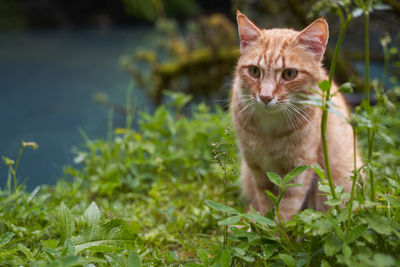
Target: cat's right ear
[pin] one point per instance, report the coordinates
(248, 31)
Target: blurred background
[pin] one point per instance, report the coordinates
(69, 68)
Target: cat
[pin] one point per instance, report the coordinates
(275, 131)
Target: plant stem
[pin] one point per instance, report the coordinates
(353, 185)
(327, 95)
(367, 102)
(16, 166)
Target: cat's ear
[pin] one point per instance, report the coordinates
(315, 38)
(248, 31)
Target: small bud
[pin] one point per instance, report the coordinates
(32, 145)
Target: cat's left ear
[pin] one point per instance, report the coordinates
(315, 38)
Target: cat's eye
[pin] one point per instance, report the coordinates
(289, 74)
(254, 71)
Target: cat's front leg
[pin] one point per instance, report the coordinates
(295, 197)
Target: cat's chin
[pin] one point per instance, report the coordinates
(269, 108)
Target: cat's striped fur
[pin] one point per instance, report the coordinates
(275, 131)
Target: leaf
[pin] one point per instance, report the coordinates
(258, 219)
(319, 171)
(230, 220)
(270, 195)
(104, 245)
(203, 255)
(383, 260)
(380, 224)
(66, 222)
(394, 202)
(221, 207)
(91, 217)
(333, 245)
(325, 85)
(356, 233)
(332, 202)
(294, 173)
(26, 251)
(336, 227)
(134, 260)
(288, 260)
(5, 238)
(275, 178)
(225, 258)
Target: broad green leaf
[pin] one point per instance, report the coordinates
(356, 233)
(115, 260)
(287, 259)
(383, 260)
(230, 220)
(380, 224)
(134, 260)
(319, 171)
(69, 248)
(335, 225)
(332, 202)
(225, 258)
(271, 196)
(5, 238)
(203, 255)
(325, 85)
(50, 243)
(275, 178)
(333, 245)
(258, 218)
(91, 217)
(294, 173)
(26, 251)
(66, 222)
(68, 261)
(105, 245)
(221, 207)
(394, 202)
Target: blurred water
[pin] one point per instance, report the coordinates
(47, 82)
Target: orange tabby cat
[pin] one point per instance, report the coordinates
(275, 131)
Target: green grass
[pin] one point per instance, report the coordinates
(155, 196)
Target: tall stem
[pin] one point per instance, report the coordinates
(16, 166)
(367, 102)
(353, 185)
(327, 95)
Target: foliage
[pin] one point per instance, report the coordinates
(195, 61)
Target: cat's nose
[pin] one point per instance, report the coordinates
(266, 98)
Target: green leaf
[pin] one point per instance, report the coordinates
(356, 233)
(50, 243)
(333, 245)
(203, 255)
(292, 185)
(336, 227)
(221, 207)
(294, 173)
(383, 260)
(394, 202)
(275, 178)
(270, 195)
(91, 217)
(319, 171)
(288, 260)
(26, 251)
(332, 202)
(230, 220)
(380, 224)
(225, 258)
(134, 260)
(66, 222)
(5, 238)
(258, 219)
(325, 85)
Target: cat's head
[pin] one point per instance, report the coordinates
(277, 66)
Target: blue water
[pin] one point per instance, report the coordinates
(47, 82)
